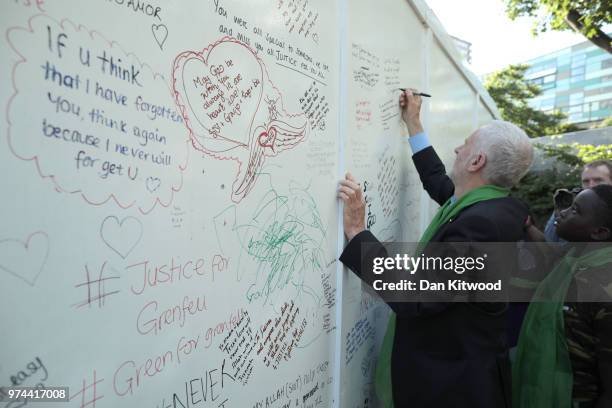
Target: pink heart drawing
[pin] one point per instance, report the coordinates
(202, 80)
(25, 260)
(121, 236)
(232, 109)
(267, 139)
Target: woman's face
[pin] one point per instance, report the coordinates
(584, 221)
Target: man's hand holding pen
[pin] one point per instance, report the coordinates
(410, 105)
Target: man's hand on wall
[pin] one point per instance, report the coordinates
(349, 191)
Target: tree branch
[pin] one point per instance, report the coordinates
(600, 39)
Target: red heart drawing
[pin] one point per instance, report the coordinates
(232, 109)
(25, 260)
(220, 89)
(267, 139)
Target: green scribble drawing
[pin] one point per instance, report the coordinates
(286, 238)
(281, 250)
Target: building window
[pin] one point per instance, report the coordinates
(541, 70)
(577, 74)
(576, 98)
(547, 104)
(536, 81)
(545, 82)
(577, 68)
(576, 108)
(547, 86)
(578, 59)
(542, 66)
(576, 104)
(575, 117)
(577, 78)
(607, 104)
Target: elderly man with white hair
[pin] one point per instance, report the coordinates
(448, 354)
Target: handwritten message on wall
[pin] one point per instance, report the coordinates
(107, 126)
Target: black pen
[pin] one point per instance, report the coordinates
(418, 93)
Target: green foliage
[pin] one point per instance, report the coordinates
(553, 14)
(605, 123)
(589, 153)
(537, 188)
(511, 92)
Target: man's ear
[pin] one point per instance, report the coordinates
(477, 162)
(601, 234)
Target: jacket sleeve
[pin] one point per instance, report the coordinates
(433, 175)
(360, 252)
(359, 256)
(365, 242)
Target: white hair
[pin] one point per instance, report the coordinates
(508, 150)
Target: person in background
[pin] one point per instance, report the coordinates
(448, 354)
(593, 174)
(564, 356)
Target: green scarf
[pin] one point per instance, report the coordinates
(448, 211)
(542, 373)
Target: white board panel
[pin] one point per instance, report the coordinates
(384, 47)
(169, 231)
(163, 226)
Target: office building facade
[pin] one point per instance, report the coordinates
(577, 81)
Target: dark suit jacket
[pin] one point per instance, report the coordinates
(450, 354)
